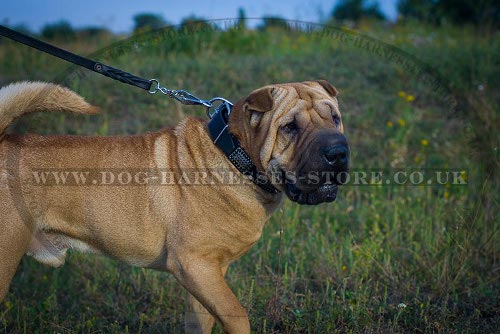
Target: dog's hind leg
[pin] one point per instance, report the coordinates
(15, 238)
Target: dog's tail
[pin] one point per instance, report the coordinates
(26, 97)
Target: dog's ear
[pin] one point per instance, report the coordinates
(328, 87)
(257, 103)
(260, 100)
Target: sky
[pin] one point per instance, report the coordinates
(117, 15)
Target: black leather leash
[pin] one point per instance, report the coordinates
(92, 65)
(219, 117)
(151, 85)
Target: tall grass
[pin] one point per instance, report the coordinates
(380, 259)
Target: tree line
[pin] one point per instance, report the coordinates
(479, 13)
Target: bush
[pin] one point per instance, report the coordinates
(354, 10)
(479, 13)
(148, 21)
(61, 30)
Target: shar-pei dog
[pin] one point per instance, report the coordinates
(188, 200)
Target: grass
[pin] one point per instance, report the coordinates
(380, 259)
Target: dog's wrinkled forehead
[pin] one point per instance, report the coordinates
(307, 91)
(318, 96)
(267, 97)
(310, 90)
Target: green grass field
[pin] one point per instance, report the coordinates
(398, 259)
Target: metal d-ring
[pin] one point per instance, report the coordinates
(210, 113)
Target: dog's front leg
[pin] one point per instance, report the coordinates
(197, 319)
(204, 280)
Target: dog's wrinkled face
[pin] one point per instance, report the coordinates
(294, 133)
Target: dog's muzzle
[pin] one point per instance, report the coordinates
(321, 170)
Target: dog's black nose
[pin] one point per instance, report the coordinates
(336, 155)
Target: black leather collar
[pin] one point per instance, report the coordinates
(219, 132)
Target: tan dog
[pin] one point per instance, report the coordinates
(194, 231)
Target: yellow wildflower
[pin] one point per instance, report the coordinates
(424, 142)
(446, 194)
(401, 122)
(344, 268)
(410, 98)
(401, 94)
(389, 124)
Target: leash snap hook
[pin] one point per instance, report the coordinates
(180, 95)
(187, 98)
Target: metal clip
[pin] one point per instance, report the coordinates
(187, 98)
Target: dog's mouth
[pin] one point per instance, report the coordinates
(322, 194)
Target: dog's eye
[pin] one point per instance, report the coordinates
(336, 120)
(291, 127)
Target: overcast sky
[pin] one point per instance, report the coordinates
(117, 15)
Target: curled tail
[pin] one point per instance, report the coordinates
(26, 97)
